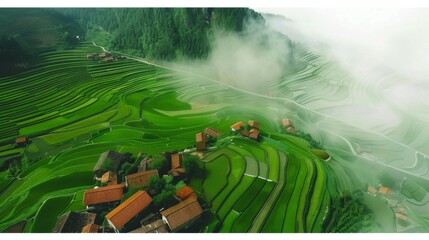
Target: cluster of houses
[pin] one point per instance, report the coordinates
(104, 56)
(398, 209)
(108, 196)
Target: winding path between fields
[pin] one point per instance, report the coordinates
(139, 59)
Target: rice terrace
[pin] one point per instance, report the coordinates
(99, 134)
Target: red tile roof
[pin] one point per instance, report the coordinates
(103, 194)
(175, 160)
(254, 124)
(287, 123)
(212, 132)
(90, 228)
(182, 213)
(372, 190)
(185, 193)
(237, 126)
(21, 140)
(200, 137)
(122, 214)
(140, 179)
(384, 190)
(254, 133)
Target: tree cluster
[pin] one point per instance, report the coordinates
(163, 33)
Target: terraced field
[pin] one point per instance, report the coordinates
(73, 109)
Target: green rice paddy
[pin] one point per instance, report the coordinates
(73, 109)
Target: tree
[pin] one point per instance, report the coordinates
(159, 163)
(192, 165)
(166, 198)
(156, 183)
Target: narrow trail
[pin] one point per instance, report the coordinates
(270, 97)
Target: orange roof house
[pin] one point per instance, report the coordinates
(200, 140)
(182, 214)
(291, 130)
(237, 126)
(157, 226)
(122, 214)
(254, 133)
(254, 124)
(91, 228)
(245, 133)
(21, 141)
(99, 195)
(372, 190)
(185, 193)
(102, 55)
(212, 132)
(176, 165)
(287, 123)
(110, 177)
(384, 190)
(109, 59)
(401, 217)
(140, 179)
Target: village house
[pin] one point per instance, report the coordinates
(185, 193)
(237, 126)
(372, 190)
(158, 226)
(201, 141)
(384, 190)
(108, 161)
(104, 54)
(401, 218)
(73, 222)
(212, 132)
(103, 195)
(109, 178)
(143, 164)
(127, 210)
(176, 165)
(287, 123)
(140, 179)
(91, 228)
(182, 214)
(109, 59)
(254, 124)
(254, 133)
(291, 130)
(245, 133)
(21, 141)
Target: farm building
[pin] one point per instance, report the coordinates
(212, 132)
(384, 190)
(401, 217)
(237, 126)
(73, 222)
(201, 141)
(254, 134)
(254, 124)
(291, 130)
(143, 164)
(101, 195)
(21, 141)
(157, 226)
(127, 210)
(104, 54)
(109, 59)
(140, 179)
(176, 165)
(245, 133)
(287, 123)
(185, 193)
(110, 177)
(91, 228)
(182, 214)
(108, 161)
(372, 190)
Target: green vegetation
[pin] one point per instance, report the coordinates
(349, 214)
(163, 33)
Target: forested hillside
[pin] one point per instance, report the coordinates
(160, 33)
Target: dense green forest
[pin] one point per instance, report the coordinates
(160, 33)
